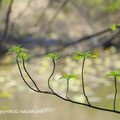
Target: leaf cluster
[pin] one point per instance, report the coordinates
(52, 56)
(114, 27)
(19, 52)
(16, 49)
(84, 55)
(68, 76)
(23, 56)
(115, 73)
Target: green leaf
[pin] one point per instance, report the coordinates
(10, 51)
(26, 57)
(118, 77)
(55, 57)
(108, 75)
(78, 57)
(51, 54)
(66, 76)
(73, 77)
(118, 70)
(22, 54)
(91, 55)
(113, 27)
(79, 53)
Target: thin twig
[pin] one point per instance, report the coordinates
(83, 82)
(51, 75)
(67, 88)
(64, 3)
(115, 93)
(30, 76)
(23, 77)
(20, 14)
(49, 23)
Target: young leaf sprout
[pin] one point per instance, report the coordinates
(115, 74)
(16, 49)
(53, 56)
(113, 27)
(84, 56)
(19, 52)
(22, 56)
(68, 77)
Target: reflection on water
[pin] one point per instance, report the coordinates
(14, 94)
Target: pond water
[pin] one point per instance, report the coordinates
(15, 95)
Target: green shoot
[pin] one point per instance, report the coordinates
(114, 27)
(22, 56)
(115, 73)
(19, 52)
(84, 55)
(68, 76)
(53, 56)
(16, 49)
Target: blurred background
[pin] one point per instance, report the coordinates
(65, 27)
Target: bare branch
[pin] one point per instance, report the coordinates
(67, 89)
(23, 76)
(47, 25)
(30, 76)
(114, 104)
(83, 87)
(1, 3)
(51, 76)
(7, 21)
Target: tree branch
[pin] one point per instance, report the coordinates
(1, 3)
(7, 21)
(47, 25)
(68, 100)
